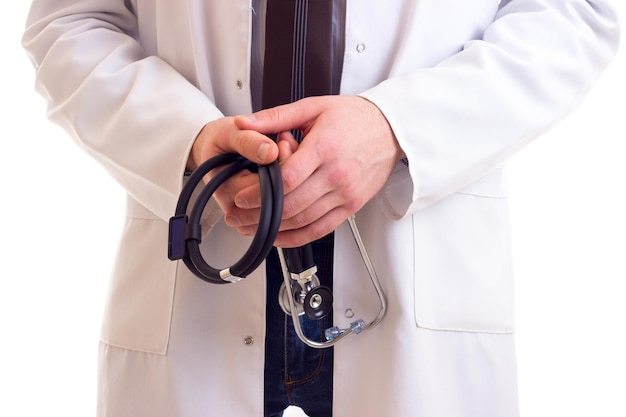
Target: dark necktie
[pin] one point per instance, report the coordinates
(298, 50)
(297, 64)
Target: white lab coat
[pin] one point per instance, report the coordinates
(464, 84)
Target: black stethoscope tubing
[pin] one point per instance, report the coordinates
(186, 232)
(185, 236)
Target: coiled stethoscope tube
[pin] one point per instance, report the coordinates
(185, 232)
(301, 293)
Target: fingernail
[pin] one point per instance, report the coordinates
(263, 151)
(245, 230)
(249, 117)
(232, 221)
(241, 203)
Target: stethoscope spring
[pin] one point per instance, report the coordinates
(301, 293)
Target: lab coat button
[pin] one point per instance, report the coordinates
(349, 313)
(248, 341)
(239, 84)
(360, 48)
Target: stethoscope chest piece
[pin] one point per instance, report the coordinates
(302, 294)
(311, 299)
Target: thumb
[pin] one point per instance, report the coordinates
(254, 146)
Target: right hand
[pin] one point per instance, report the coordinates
(222, 136)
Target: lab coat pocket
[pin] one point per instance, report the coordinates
(463, 273)
(140, 300)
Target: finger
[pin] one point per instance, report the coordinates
(237, 217)
(227, 191)
(317, 230)
(287, 117)
(301, 207)
(294, 171)
(287, 145)
(314, 189)
(246, 222)
(312, 224)
(311, 212)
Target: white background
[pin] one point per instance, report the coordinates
(61, 217)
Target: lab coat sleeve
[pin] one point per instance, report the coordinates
(462, 118)
(107, 93)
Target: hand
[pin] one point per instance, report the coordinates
(223, 136)
(345, 158)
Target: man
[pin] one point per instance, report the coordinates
(435, 96)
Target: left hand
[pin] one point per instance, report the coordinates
(345, 158)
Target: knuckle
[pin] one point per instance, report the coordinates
(354, 205)
(290, 180)
(318, 230)
(300, 221)
(272, 114)
(338, 177)
(222, 195)
(356, 200)
(290, 208)
(245, 139)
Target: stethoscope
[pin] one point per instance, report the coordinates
(301, 293)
